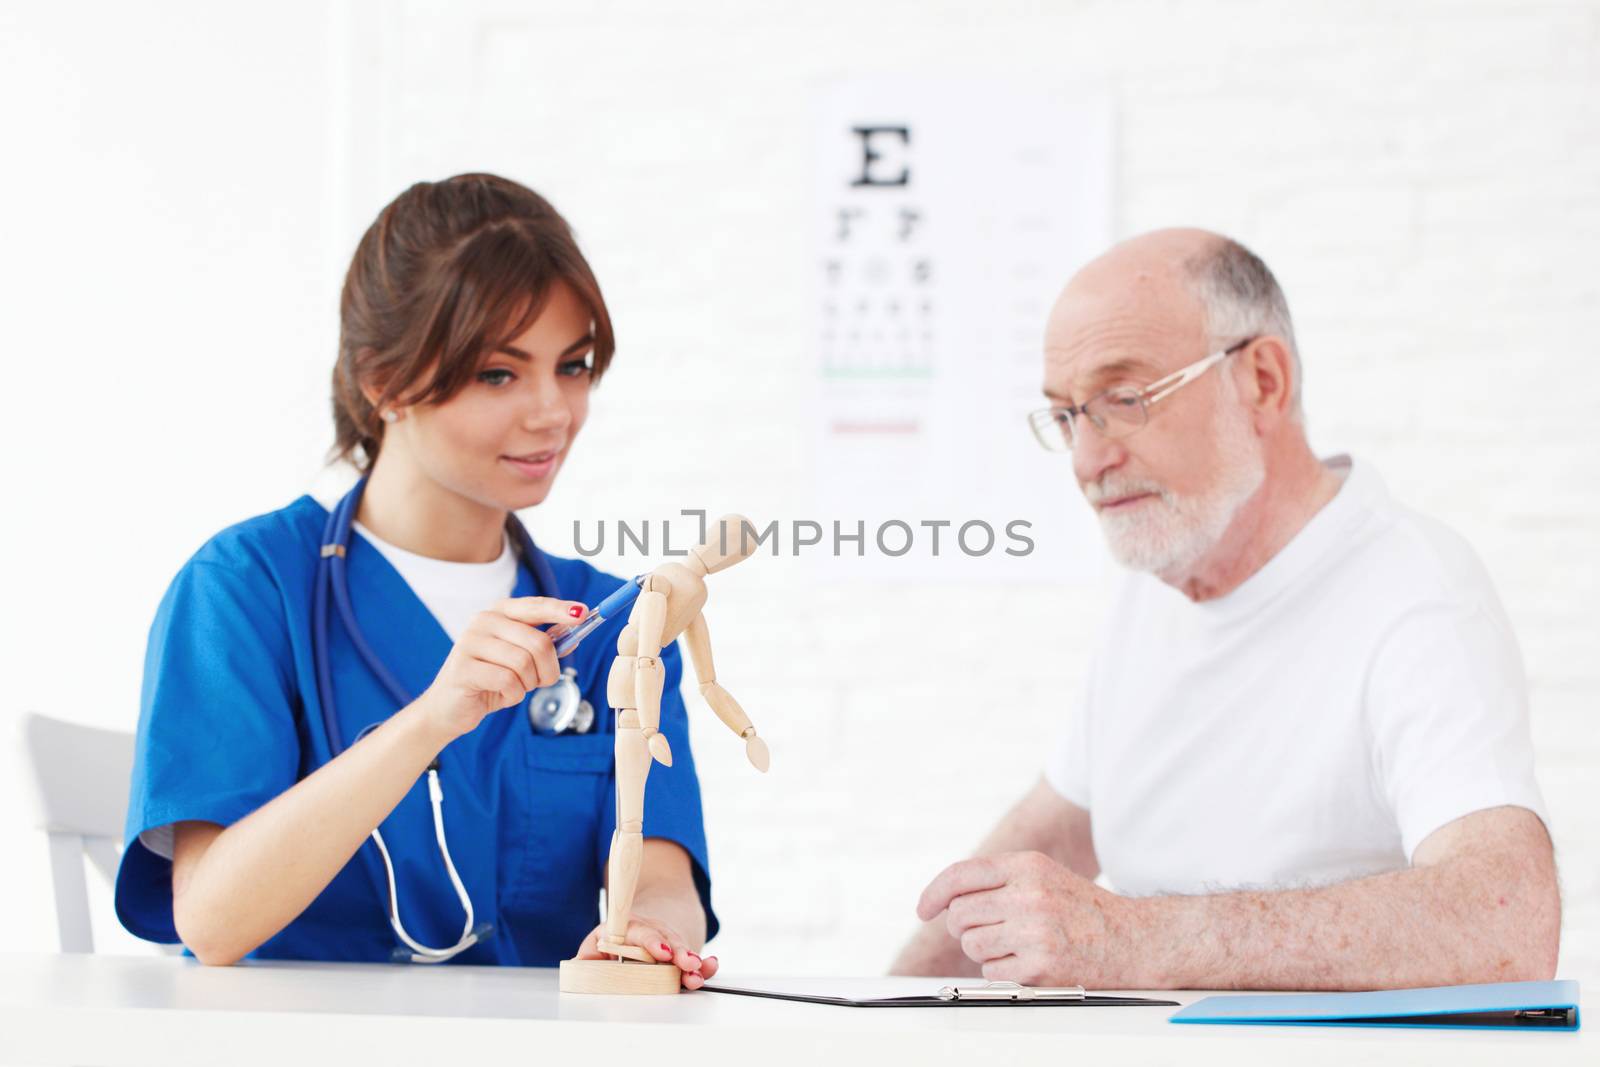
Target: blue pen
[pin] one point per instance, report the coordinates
(609, 608)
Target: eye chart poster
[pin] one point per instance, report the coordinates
(949, 215)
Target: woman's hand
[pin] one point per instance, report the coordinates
(663, 943)
(498, 660)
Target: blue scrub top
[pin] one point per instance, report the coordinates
(229, 719)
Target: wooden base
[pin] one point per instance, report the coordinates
(619, 976)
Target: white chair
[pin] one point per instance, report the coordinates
(80, 776)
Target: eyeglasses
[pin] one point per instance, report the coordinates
(1118, 412)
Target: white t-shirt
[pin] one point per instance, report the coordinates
(452, 592)
(1314, 725)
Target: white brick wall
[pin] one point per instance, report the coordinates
(1422, 177)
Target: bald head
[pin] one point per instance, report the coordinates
(1154, 258)
(1188, 288)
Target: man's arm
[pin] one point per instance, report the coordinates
(1479, 904)
(1043, 822)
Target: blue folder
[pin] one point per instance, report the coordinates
(1499, 1006)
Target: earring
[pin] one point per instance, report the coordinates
(391, 416)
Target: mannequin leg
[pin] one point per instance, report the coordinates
(627, 848)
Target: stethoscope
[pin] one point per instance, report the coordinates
(552, 709)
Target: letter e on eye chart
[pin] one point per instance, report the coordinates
(948, 215)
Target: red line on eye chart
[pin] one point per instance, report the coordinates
(904, 427)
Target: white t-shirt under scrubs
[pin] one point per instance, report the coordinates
(1314, 725)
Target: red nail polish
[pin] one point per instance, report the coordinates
(697, 959)
(665, 947)
(575, 611)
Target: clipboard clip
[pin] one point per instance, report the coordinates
(1010, 991)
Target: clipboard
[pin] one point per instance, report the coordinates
(1496, 1006)
(926, 993)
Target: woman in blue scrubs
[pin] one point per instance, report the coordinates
(471, 331)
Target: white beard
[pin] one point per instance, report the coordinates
(1168, 534)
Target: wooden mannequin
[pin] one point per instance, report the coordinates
(669, 604)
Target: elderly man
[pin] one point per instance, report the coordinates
(1302, 757)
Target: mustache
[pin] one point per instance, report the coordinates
(1115, 487)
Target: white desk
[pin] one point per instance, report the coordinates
(137, 1010)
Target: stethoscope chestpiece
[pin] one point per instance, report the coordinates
(559, 707)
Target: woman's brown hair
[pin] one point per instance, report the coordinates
(448, 272)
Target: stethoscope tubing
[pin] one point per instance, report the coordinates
(332, 582)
